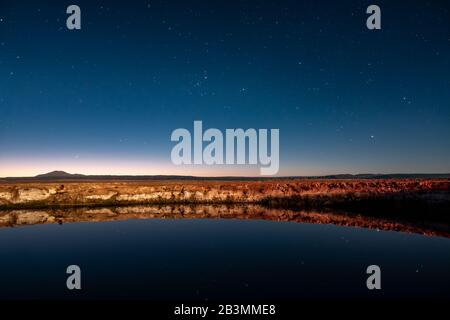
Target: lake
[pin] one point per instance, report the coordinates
(136, 254)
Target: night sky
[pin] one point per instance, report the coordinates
(105, 99)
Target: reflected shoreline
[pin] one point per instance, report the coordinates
(23, 217)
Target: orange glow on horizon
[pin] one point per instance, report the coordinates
(21, 168)
(27, 169)
(30, 167)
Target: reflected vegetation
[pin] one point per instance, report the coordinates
(14, 218)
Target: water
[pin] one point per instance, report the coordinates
(185, 259)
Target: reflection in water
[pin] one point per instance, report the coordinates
(216, 252)
(31, 217)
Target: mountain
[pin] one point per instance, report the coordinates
(58, 175)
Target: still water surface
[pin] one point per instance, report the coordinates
(229, 259)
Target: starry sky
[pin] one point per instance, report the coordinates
(105, 99)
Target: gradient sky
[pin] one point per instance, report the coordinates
(105, 99)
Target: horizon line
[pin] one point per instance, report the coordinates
(80, 175)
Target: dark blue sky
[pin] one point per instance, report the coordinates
(106, 98)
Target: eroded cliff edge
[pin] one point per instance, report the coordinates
(274, 192)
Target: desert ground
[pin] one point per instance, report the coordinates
(48, 193)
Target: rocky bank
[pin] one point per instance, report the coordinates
(114, 193)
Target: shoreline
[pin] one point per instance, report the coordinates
(415, 199)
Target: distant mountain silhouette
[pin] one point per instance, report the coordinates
(58, 174)
(62, 175)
